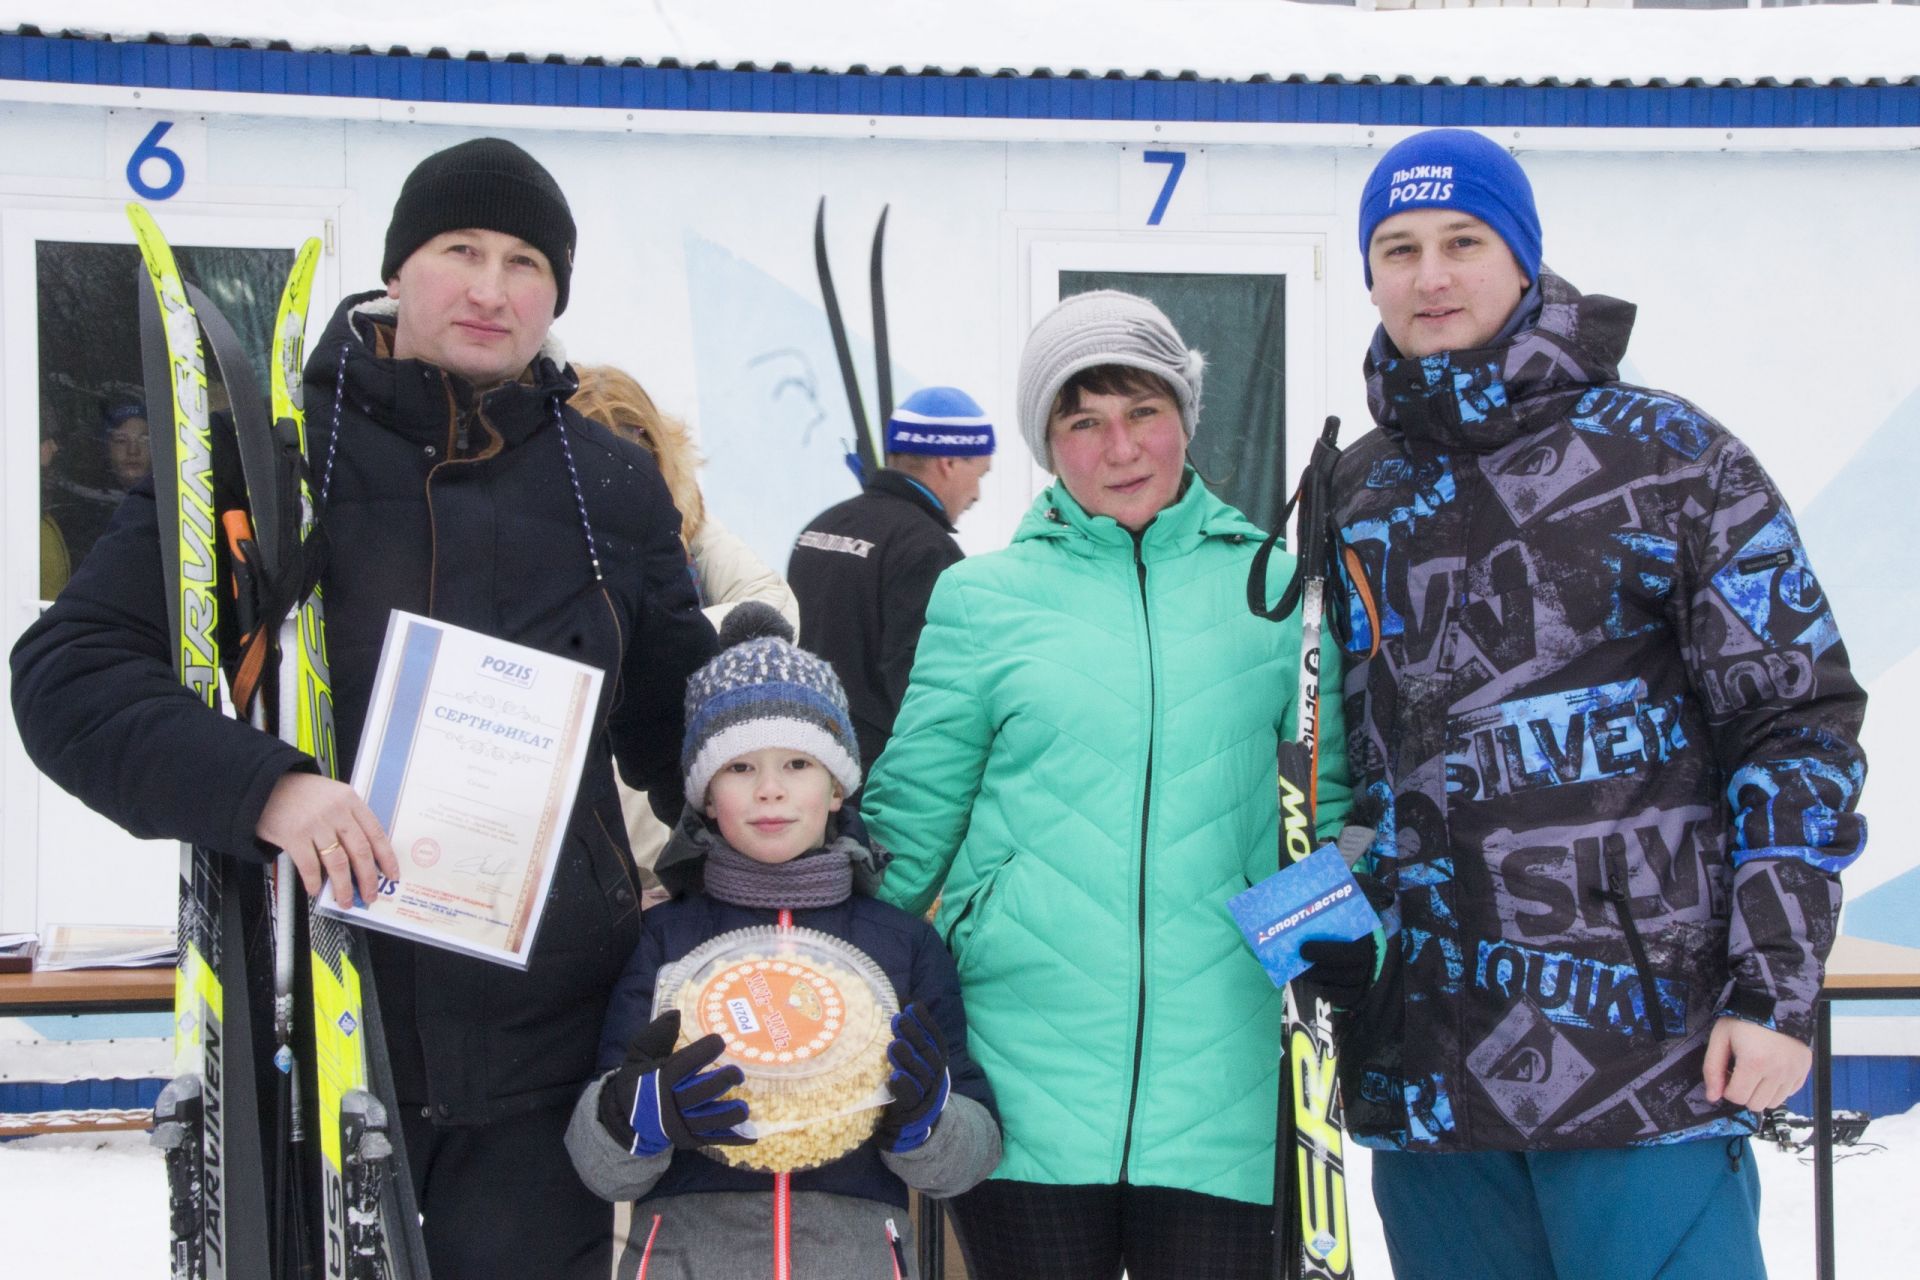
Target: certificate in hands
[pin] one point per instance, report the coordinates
(470, 758)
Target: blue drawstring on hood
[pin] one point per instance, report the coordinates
(555, 405)
(579, 497)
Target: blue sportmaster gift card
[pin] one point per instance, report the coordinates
(1316, 897)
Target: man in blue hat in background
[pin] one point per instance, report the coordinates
(864, 569)
(1608, 749)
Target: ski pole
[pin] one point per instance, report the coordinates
(1311, 1236)
(866, 458)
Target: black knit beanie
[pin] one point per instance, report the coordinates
(490, 185)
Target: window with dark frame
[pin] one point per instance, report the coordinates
(94, 417)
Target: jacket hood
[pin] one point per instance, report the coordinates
(1481, 400)
(1196, 513)
(378, 307)
(406, 392)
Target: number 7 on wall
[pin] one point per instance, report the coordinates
(1176, 162)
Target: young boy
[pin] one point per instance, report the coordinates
(769, 755)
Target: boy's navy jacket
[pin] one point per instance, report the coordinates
(907, 949)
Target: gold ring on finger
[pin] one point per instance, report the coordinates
(329, 849)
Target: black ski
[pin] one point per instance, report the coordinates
(931, 1219)
(207, 1118)
(866, 458)
(371, 1223)
(876, 285)
(362, 1200)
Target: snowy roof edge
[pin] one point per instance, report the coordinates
(1492, 76)
(1817, 45)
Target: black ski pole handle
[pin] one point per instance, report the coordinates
(1312, 551)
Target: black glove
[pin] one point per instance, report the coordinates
(1342, 971)
(918, 1083)
(659, 1098)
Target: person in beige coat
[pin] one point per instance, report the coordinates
(725, 570)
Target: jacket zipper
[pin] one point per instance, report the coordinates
(1619, 892)
(646, 1254)
(630, 871)
(899, 1254)
(456, 442)
(1146, 810)
(783, 1186)
(460, 433)
(460, 426)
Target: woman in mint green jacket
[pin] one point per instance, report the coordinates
(1083, 772)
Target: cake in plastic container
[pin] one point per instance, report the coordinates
(807, 1018)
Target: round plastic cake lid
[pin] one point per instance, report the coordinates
(792, 1005)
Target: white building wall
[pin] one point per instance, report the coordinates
(1775, 290)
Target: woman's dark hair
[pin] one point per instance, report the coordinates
(1108, 380)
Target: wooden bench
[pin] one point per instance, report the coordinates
(68, 991)
(86, 991)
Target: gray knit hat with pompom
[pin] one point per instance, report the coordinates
(1092, 329)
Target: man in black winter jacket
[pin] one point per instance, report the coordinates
(1602, 727)
(864, 570)
(454, 482)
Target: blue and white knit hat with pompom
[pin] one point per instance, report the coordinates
(765, 691)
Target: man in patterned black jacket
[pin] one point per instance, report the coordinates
(1608, 749)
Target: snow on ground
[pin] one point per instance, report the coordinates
(83, 1207)
(79, 1207)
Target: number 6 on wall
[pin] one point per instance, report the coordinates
(150, 149)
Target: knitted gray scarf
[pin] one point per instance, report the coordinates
(820, 878)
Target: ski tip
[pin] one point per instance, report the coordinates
(299, 283)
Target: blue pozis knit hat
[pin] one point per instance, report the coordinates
(765, 691)
(943, 421)
(1454, 169)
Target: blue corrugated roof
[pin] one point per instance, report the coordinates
(401, 76)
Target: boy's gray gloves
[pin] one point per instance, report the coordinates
(659, 1098)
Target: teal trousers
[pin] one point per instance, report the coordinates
(1680, 1212)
